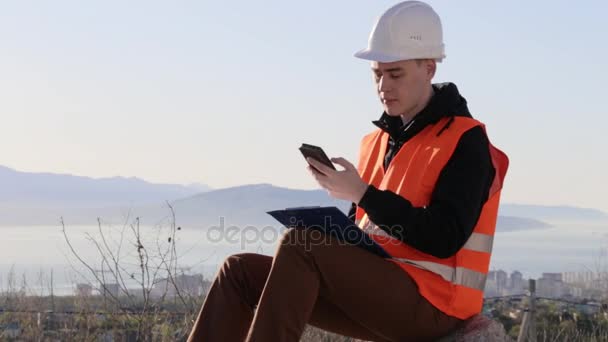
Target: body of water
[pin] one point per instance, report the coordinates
(30, 253)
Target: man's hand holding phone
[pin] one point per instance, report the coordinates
(341, 184)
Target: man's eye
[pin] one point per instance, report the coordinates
(395, 76)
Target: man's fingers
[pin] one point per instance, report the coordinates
(323, 183)
(344, 163)
(316, 174)
(322, 179)
(319, 166)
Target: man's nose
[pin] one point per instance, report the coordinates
(384, 84)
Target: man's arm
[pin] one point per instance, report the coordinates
(443, 227)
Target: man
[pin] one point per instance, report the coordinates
(427, 189)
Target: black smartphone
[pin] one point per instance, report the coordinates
(317, 153)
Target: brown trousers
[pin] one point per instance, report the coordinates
(317, 280)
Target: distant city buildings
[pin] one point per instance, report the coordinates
(579, 277)
(517, 282)
(551, 285)
(499, 283)
(110, 290)
(84, 290)
(181, 285)
(589, 285)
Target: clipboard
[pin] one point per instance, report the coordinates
(329, 220)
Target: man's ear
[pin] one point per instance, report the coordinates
(431, 68)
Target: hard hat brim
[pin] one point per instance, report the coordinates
(376, 56)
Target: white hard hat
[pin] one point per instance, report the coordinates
(408, 30)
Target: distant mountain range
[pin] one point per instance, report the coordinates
(41, 198)
(26, 189)
(247, 204)
(552, 213)
(512, 223)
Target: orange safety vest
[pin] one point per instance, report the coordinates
(453, 285)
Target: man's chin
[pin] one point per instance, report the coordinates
(392, 111)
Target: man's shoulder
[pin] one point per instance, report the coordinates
(374, 134)
(467, 122)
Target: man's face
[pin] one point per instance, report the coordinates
(402, 85)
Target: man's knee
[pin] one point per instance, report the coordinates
(234, 263)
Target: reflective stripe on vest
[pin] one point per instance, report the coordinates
(457, 275)
(480, 243)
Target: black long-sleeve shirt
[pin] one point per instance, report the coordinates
(442, 227)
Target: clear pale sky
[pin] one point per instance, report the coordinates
(224, 92)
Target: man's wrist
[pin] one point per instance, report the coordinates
(361, 193)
